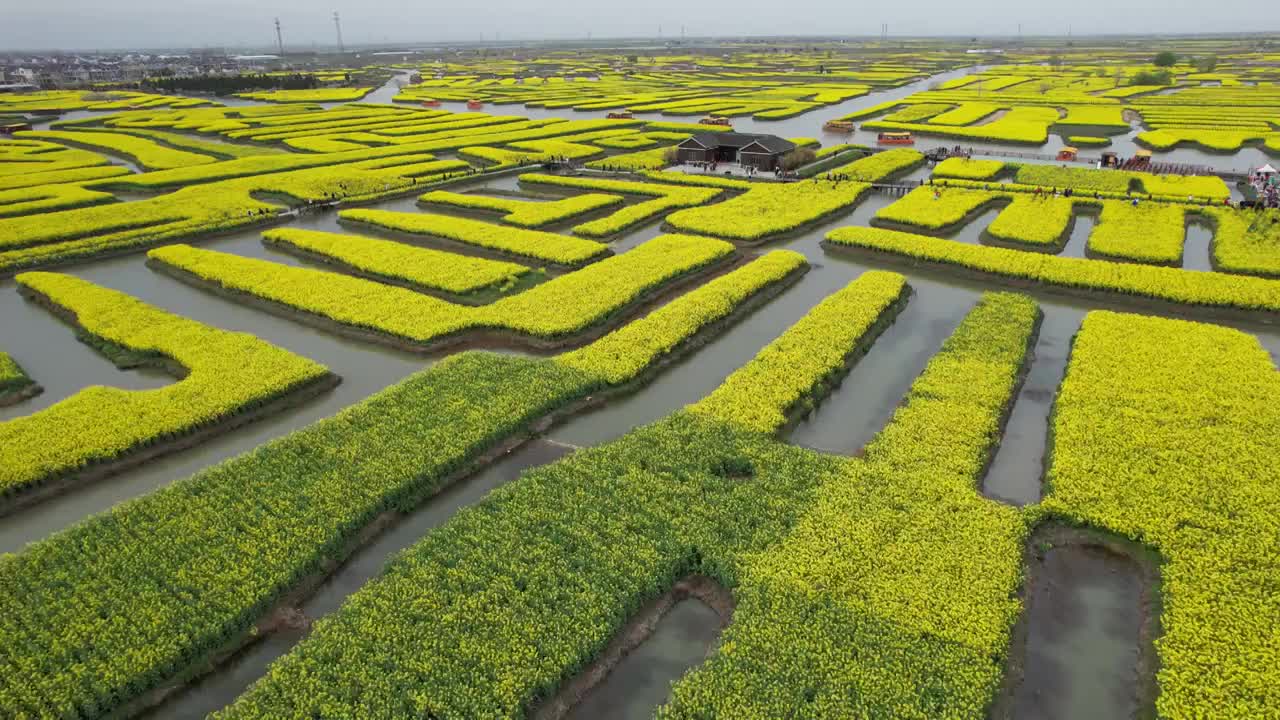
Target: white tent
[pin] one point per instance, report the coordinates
(1266, 170)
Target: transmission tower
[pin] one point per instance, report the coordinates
(337, 24)
(279, 38)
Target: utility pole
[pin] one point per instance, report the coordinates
(279, 38)
(884, 32)
(681, 33)
(1019, 32)
(337, 24)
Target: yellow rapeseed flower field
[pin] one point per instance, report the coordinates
(227, 373)
(1165, 432)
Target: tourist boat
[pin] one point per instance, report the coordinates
(474, 104)
(1068, 153)
(714, 120)
(430, 103)
(895, 138)
(843, 126)
(1141, 161)
(620, 115)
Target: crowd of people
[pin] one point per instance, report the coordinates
(1267, 187)
(711, 166)
(1041, 192)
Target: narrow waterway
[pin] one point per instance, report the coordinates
(1082, 224)
(974, 231)
(1016, 472)
(50, 353)
(810, 125)
(642, 681)
(1197, 247)
(844, 423)
(219, 688)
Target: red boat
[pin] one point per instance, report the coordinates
(895, 138)
(430, 103)
(474, 104)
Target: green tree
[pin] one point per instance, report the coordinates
(1165, 59)
(1206, 64)
(798, 158)
(1159, 77)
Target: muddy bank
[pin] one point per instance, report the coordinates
(287, 615)
(824, 386)
(1105, 296)
(573, 697)
(480, 296)
(563, 225)
(56, 485)
(780, 235)
(196, 235)
(1084, 645)
(229, 679)
(1010, 402)
(1024, 442)
(134, 248)
(478, 337)
(95, 470)
(439, 242)
(16, 394)
(995, 204)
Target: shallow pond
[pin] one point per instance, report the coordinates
(642, 680)
(1083, 640)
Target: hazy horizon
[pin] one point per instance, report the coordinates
(131, 24)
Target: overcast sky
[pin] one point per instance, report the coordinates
(78, 24)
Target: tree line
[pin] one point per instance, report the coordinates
(229, 84)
